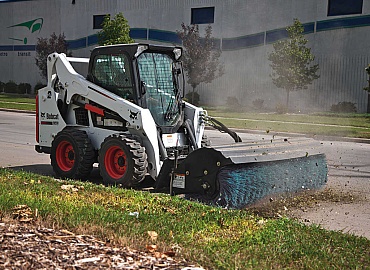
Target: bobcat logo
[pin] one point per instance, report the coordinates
(133, 115)
(42, 115)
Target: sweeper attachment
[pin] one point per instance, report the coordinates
(240, 174)
(128, 115)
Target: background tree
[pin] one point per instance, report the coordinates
(291, 61)
(115, 31)
(367, 69)
(201, 58)
(45, 46)
(367, 88)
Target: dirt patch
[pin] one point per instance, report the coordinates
(332, 209)
(287, 205)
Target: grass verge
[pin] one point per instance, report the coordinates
(17, 102)
(329, 124)
(213, 237)
(347, 125)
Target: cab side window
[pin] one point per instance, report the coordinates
(112, 72)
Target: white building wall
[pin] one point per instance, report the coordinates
(19, 65)
(342, 53)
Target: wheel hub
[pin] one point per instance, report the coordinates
(71, 155)
(121, 161)
(115, 162)
(65, 156)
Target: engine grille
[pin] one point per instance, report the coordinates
(81, 117)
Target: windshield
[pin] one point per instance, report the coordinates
(156, 73)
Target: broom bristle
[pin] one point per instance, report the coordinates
(245, 184)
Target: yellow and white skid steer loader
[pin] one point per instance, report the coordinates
(129, 116)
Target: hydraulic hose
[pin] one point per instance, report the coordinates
(162, 149)
(189, 126)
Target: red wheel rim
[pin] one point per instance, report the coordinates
(115, 162)
(65, 156)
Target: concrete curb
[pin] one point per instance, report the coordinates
(252, 131)
(18, 111)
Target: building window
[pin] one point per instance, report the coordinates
(344, 7)
(98, 21)
(203, 15)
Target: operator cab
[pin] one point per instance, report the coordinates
(147, 75)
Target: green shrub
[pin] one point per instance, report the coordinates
(188, 98)
(11, 87)
(281, 109)
(367, 88)
(232, 102)
(344, 107)
(258, 103)
(24, 88)
(38, 86)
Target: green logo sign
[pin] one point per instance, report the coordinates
(33, 26)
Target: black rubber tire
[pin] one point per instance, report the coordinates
(122, 161)
(72, 154)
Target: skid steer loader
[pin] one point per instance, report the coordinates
(128, 115)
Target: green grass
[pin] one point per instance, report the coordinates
(361, 120)
(17, 102)
(330, 124)
(213, 237)
(348, 125)
(17, 98)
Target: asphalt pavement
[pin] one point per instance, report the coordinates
(347, 158)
